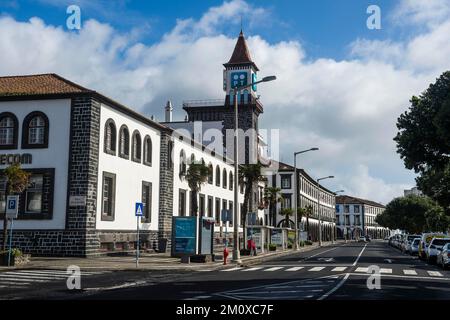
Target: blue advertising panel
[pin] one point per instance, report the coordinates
(184, 235)
(238, 79)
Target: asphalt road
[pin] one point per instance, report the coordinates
(333, 272)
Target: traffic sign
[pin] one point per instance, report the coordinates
(12, 207)
(139, 212)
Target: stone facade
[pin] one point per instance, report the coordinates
(166, 189)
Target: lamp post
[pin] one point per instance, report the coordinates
(318, 207)
(335, 226)
(236, 256)
(295, 193)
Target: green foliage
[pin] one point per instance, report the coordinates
(17, 180)
(436, 219)
(414, 214)
(196, 175)
(423, 140)
(15, 252)
(272, 247)
(286, 213)
(248, 175)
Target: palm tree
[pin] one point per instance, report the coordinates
(301, 212)
(271, 198)
(286, 213)
(17, 181)
(308, 213)
(196, 175)
(248, 175)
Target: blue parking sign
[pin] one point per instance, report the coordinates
(139, 212)
(12, 207)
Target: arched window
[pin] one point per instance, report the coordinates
(224, 178)
(35, 131)
(110, 137)
(245, 96)
(124, 142)
(230, 186)
(148, 150)
(182, 163)
(8, 130)
(136, 147)
(211, 173)
(218, 176)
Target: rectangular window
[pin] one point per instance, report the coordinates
(210, 206)
(286, 202)
(147, 201)
(108, 196)
(357, 220)
(202, 205)
(346, 208)
(337, 208)
(230, 208)
(285, 181)
(217, 210)
(356, 209)
(347, 220)
(182, 203)
(33, 194)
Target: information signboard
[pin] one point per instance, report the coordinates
(184, 236)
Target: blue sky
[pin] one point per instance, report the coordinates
(324, 27)
(340, 86)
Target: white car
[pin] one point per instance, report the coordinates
(435, 248)
(414, 248)
(443, 258)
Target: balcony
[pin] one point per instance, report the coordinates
(203, 103)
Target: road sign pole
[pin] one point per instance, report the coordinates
(137, 247)
(10, 241)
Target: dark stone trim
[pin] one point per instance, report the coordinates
(105, 147)
(105, 217)
(147, 184)
(124, 155)
(15, 131)
(25, 128)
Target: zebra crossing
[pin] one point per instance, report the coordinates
(340, 269)
(24, 278)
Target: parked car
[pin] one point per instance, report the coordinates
(406, 245)
(414, 248)
(425, 241)
(443, 258)
(435, 247)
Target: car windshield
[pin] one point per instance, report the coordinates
(440, 242)
(416, 241)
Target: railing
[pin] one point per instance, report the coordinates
(203, 103)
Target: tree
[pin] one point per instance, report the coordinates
(271, 198)
(196, 175)
(287, 214)
(436, 219)
(249, 174)
(17, 181)
(309, 210)
(423, 140)
(410, 214)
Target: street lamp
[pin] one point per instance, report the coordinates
(236, 256)
(335, 226)
(318, 207)
(295, 193)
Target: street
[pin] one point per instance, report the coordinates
(332, 272)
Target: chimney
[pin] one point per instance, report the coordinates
(169, 110)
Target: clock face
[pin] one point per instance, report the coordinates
(238, 79)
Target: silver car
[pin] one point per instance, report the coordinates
(443, 257)
(414, 248)
(435, 247)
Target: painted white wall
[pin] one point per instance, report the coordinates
(55, 156)
(129, 174)
(207, 189)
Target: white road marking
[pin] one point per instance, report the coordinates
(361, 269)
(253, 269)
(31, 275)
(273, 269)
(11, 283)
(315, 255)
(12, 278)
(294, 269)
(339, 269)
(359, 256)
(232, 269)
(410, 272)
(435, 273)
(385, 270)
(316, 269)
(340, 284)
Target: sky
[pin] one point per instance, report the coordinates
(340, 85)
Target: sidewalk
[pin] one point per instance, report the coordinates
(149, 261)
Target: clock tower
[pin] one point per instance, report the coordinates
(241, 70)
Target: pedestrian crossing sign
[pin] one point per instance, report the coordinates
(139, 209)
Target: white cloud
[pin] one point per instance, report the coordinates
(347, 108)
